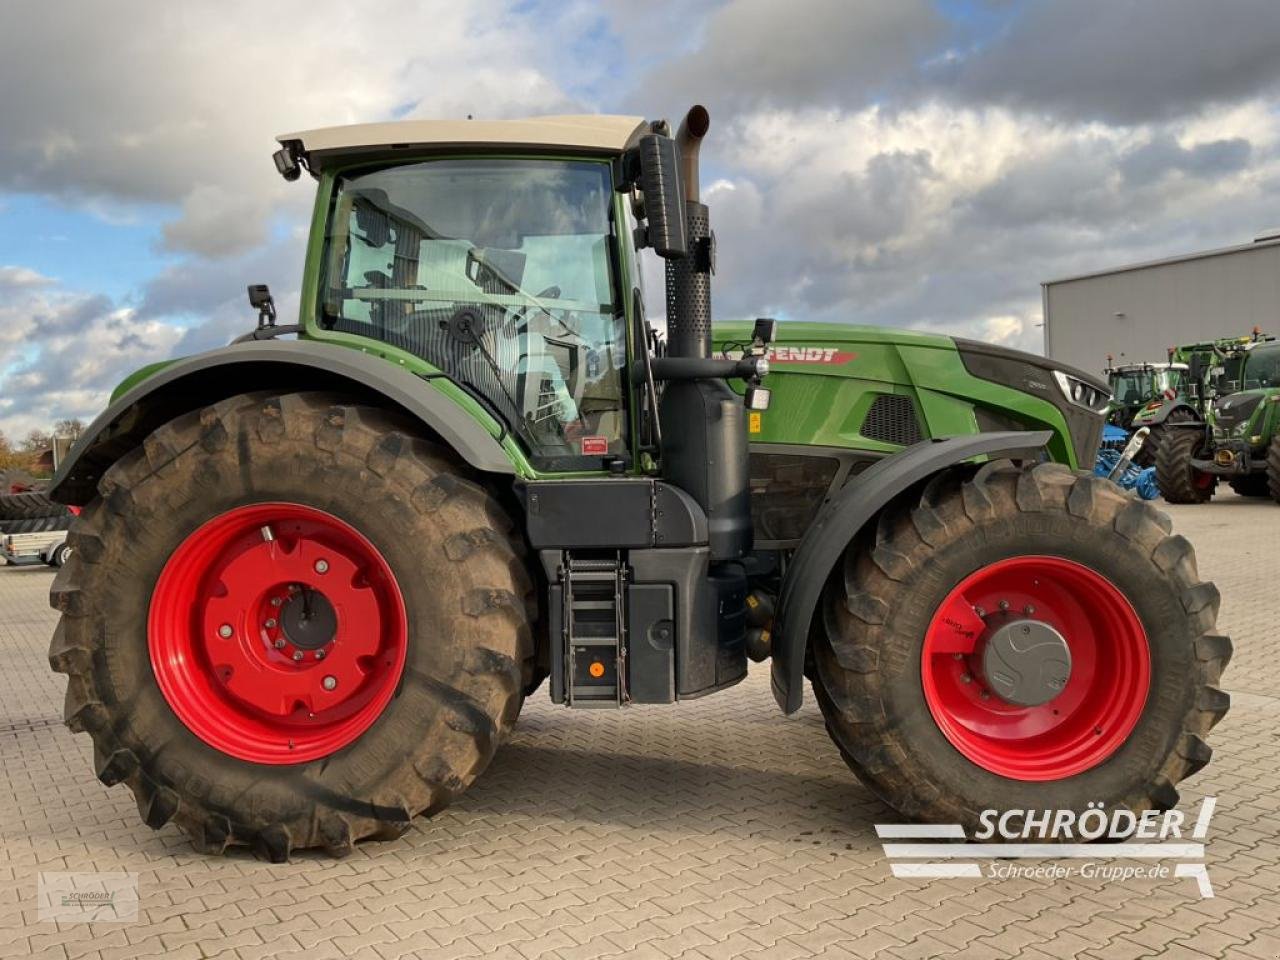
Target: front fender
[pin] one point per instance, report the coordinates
(283, 366)
(841, 519)
(1160, 415)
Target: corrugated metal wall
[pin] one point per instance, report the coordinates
(1162, 305)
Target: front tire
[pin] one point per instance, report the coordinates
(1178, 480)
(901, 670)
(212, 705)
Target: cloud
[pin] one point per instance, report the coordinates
(762, 52)
(179, 104)
(1125, 63)
(61, 353)
(945, 218)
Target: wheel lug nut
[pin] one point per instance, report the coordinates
(297, 655)
(279, 643)
(322, 566)
(957, 656)
(965, 678)
(1004, 604)
(276, 601)
(319, 654)
(980, 612)
(270, 624)
(225, 631)
(329, 683)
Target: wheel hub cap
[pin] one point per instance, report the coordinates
(1026, 662)
(277, 633)
(1035, 668)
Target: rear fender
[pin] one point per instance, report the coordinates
(841, 520)
(284, 366)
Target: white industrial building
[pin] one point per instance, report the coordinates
(1136, 312)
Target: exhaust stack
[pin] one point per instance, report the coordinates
(689, 278)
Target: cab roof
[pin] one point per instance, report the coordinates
(589, 134)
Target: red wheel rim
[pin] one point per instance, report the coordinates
(277, 633)
(1096, 709)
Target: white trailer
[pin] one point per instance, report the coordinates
(26, 548)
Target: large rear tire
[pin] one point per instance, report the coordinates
(1273, 468)
(201, 684)
(1178, 480)
(906, 684)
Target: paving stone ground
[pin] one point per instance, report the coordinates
(714, 828)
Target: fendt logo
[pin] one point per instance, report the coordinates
(781, 354)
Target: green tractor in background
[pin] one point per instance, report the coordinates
(1237, 435)
(315, 578)
(1140, 394)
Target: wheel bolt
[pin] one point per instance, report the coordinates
(1028, 609)
(270, 624)
(276, 601)
(957, 656)
(965, 678)
(1004, 604)
(984, 695)
(297, 655)
(279, 643)
(329, 683)
(322, 566)
(225, 631)
(980, 612)
(319, 654)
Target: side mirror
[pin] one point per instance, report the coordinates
(663, 196)
(261, 300)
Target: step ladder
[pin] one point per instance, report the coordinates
(595, 631)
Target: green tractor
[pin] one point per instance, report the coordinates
(1180, 391)
(1139, 394)
(1238, 437)
(315, 578)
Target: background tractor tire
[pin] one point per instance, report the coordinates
(1146, 456)
(438, 538)
(1273, 468)
(1178, 481)
(884, 601)
(1254, 485)
(29, 506)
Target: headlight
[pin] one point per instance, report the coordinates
(1081, 393)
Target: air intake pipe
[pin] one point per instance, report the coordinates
(689, 278)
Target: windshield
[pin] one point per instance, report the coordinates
(499, 272)
(1262, 368)
(1131, 387)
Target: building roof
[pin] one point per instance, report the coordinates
(1259, 244)
(589, 133)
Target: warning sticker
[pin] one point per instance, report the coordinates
(754, 422)
(594, 446)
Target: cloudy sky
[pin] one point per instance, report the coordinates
(898, 162)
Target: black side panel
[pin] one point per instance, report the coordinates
(651, 635)
(197, 381)
(612, 513)
(787, 490)
(588, 513)
(839, 522)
